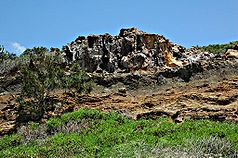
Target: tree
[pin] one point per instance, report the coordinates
(41, 75)
(3, 54)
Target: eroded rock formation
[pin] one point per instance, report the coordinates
(130, 50)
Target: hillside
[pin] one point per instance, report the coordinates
(137, 77)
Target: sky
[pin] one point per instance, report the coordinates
(54, 23)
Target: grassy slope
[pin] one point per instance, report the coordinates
(90, 133)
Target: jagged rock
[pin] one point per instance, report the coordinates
(130, 50)
(122, 90)
(184, 72)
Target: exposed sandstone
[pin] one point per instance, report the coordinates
(231, 53)
(130, 50)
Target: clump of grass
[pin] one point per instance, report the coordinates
(91, 133)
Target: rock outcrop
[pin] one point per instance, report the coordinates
(232, 53)
(130, 50)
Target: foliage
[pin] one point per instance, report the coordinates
(44, 73)
(41, 76)
(9, 62)
(218, 48)
(6, 54)
(77, 81)
(100, 134)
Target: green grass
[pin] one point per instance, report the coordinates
(91, 133)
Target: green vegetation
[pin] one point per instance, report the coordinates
(41, 76)
(6, 54)
(43, 73)
(218, 48)
(90, 133)
(78, 81)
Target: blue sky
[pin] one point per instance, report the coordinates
(54, 23)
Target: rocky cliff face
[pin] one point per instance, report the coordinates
(130, 50)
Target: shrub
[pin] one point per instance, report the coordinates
(214, 146)
(6, 54)
(8, 61)
(77, 81)
(41, 75)
(218, 48)
(31, 132)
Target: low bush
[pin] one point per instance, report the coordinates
(218, 48)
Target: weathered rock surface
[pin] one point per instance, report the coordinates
(232, 53)
(130, 50)
(199, 99)
(211, 94)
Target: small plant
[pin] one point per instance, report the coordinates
(215, 146)
(77, 81)
(32, 132)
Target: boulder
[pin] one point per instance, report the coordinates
(231, 53)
